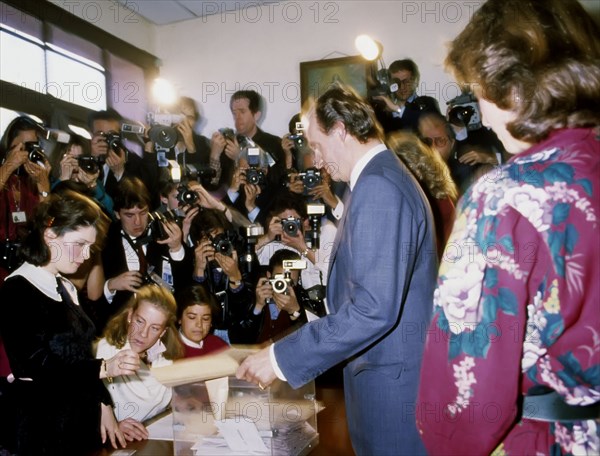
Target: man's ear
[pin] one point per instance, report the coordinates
(257, 116)
(117, 215)
(339, 129)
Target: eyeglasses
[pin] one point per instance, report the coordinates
(439, 141)
(404, 82)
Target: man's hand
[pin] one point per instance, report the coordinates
(252, 191)
(295, 185)
(388, 103)
(287, 302)
(232, 149)
(263, 293)
(174, 235)
(127, 281)
(257, 369)
(185, 128)
(476, 157)
(133, 430)
(116, 163)
(68, 167)
(229, 265)
(203, 253)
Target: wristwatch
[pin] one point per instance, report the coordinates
(235, 283)
(44, 194)
(295, 315)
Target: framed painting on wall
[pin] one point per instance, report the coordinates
(316, 76)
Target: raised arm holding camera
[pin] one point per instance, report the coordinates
(138, 252)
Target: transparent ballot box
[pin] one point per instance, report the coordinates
(227, 416)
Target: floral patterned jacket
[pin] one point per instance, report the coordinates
(517, 307)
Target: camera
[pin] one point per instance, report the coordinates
(162, 131)
(315, 211)
(222, 244)
(198, 173)
(186, 196)
(381, 84)
(36, 153)
(463, 111)
(114, 141)
(89, 164)
(248, 260)
(310, 178)
(291, 226)
(281, 282)
(254, 175)
(155, 223)
(227, 133)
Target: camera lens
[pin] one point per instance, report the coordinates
(279, 285)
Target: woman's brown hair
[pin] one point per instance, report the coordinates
(538, 58)
(117, 329)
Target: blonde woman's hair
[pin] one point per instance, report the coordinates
(425, 163)
(117, 329)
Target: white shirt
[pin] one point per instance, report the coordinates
(315, 273)
(358, 168)
(139, 396)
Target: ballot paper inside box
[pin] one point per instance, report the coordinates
(229, 416)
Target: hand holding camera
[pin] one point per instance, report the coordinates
(264, 293)
(229, 264)
(17, 155)
(174, 235)
(186, 131)
(203, 253)
(127, 281)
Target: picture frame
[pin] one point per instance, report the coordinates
(317, 76)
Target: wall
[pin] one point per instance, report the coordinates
(115, 19)
(261, 47)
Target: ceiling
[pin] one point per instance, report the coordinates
(162, 12)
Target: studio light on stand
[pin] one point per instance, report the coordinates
(162, 123)
(372, 51)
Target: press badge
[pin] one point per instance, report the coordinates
(19, 217)
(167, 274)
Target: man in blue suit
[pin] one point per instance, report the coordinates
(380, 291)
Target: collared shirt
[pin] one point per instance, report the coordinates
(400, 112)
(356, 172)
(45, 281)
(189, 342)
(363, 162)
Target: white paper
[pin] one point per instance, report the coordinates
(241, 436)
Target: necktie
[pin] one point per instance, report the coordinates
(142, 257)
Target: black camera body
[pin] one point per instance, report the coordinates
(291, 226)
(255, 176)
(222, 244)
(227, 133)
(114, 141)
(463, 111)
(90, 164)
(185, 196)
(310, 178)
(36, 153)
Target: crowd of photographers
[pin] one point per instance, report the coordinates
(244, 219)
(190, 210)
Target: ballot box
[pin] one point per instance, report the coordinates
(227, 416)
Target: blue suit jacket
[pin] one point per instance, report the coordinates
(382, 275)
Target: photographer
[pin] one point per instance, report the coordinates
(246, 108)
(119, 162)
(287, 227)
(216, 266)
(277, 312)
(251, 192)
(73, 161)
(401, 110)
(135, 254)
(23, 184)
